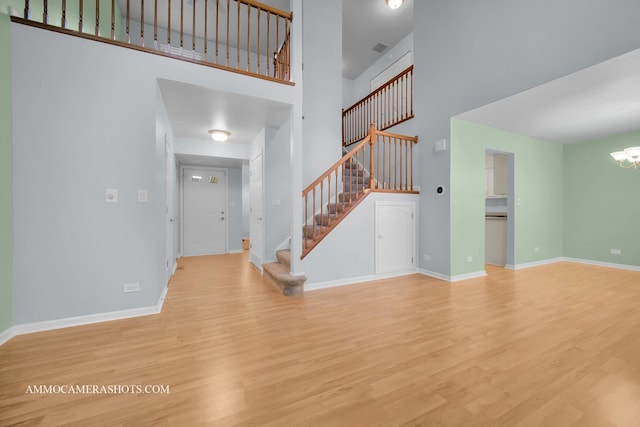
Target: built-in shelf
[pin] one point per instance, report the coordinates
(497, 196)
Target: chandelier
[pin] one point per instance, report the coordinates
(627, 158)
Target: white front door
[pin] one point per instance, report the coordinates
(255, 231)
(205, 211)
(395, 237)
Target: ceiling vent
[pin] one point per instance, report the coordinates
(380, 47)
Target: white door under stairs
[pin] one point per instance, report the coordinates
(395, 237)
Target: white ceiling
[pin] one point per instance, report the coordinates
(193, 110)
(599, 101)
(366, 23)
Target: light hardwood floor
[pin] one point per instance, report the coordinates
(557, 345)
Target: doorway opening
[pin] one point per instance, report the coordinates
(499, 209)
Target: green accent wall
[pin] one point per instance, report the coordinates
(54, 13)
(538, 182)
(601, 206)
(6, 172)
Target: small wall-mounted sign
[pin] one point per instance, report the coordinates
(213, 180)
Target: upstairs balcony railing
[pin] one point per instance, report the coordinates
(243, 36)
(387, 106)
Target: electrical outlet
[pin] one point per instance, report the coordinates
(616, 252)
(469, 258)
(426, 257)
(131, 287)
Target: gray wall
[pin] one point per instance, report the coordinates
(322, 87)
(73, 137)
(469, 53)
(6, 202)
(83, 121)
(277, 187)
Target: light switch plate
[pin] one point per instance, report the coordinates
(143, 196)
(111, 195)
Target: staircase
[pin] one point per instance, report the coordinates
(381, 162)
(355, 186)
(280, 275)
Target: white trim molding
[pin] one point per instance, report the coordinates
(453, 279)
(603, 264)
(435, 275)
(535, 263)
(355, 280)
(467, 276)
(47, 325)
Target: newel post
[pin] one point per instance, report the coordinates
(372, 141)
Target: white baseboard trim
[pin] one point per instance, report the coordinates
(453, 279)
(7, 335)
(534, 263)
(354, 280)
(467, 276)
(235, 251)
(433, 274)
(47, 325)
(603, 264)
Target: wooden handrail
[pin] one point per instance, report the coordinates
(267, 8)
(381, 162)
(387, 106)
(381, 88)
(336, 165)
(281, 64)
(246, 36)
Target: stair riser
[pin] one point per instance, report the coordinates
(283, 259)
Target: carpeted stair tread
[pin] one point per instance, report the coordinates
(308, 231)
(353, 172)
(338, 208)
(284, 257)
(326, 219)
(349, 197)
(286, 282)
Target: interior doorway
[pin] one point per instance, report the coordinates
(499, 208)
(204, 211)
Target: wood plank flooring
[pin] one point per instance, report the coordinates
(557, 345)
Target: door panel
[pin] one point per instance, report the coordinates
(205, 211)
(395, 237)
(256, 232)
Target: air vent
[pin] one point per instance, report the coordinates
(380, 47)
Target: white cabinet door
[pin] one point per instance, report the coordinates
(395, 237)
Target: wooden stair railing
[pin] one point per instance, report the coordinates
(381, 162)
(233, 35)
(387, 106)
(281, 60)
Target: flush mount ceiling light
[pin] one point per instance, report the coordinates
(629, 157)
(219, 135)
(394, 4)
